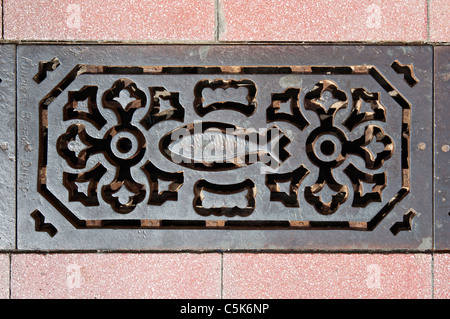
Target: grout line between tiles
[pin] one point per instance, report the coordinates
(216, 20)
(10, 275)
(221, 275)
(238, 251)
(428, 19)
(210, 42)
(432, 276)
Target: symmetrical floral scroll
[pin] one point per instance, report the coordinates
(327, 147)
(123, 145)
(336, 131)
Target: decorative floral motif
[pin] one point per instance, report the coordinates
(327, 147)
(123, 145)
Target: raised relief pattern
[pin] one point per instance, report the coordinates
(120, 160)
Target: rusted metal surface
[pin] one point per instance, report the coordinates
(246, 147)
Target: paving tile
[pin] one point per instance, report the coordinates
(327, 276)
(442, 147)
(439, 15)
(441, 276)
(323, 20)
(4, 276)
(191, 20)
(7, 146)
(115, 276)
(87, 190)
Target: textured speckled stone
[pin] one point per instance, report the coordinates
(439, 12)
(109, 20)
(327, 276)
(4, 276)
(323, 20)
(442, 276)
(115, 276)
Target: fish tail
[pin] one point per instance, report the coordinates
(278, 153)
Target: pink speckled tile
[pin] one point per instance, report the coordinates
(4, 276)
(116, 276)
(327, 276)
(109, 20)
(442, 276)
(323, 20)
(439, 13)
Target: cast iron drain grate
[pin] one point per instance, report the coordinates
(245, 147)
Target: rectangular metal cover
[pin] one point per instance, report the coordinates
(224, 147)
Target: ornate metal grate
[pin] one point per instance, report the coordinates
(247, 147)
